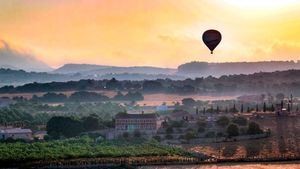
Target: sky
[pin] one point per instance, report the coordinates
(163, 33)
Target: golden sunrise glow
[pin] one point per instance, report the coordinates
(261, 4)
(155, 33)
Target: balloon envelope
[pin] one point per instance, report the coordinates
(211, 38)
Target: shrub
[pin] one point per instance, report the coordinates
(210, 134)
(190, 135)
(137, 133)
(223, 121)
(242, 121)
(201, 123)
(157, 138)
(254, 128)
(125, 135)
(169, 137)
(169, 130)
(232, 130)
(220, 134)
(201, 129)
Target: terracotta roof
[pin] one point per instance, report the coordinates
(135, 116)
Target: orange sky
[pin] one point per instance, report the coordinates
(157, 32)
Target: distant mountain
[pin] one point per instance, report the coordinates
(204, 69)
(100, 70)
(77, 68)
(13, 59)
(20, 77)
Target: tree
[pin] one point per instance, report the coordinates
(272, 108)
(169, 130)
(83, 96)
(169, 137)
(233, 109)
(125, 135)
(113, 84)
(201, 129)
(91, 123)
(281, 105)
(211, 109)
(157, 138)
(188, 102)
(232, 130)
(137, 133)
(59, 126)
(242, 108)
(52, 97)
(254, 128)
(223, 121)
(152, 86)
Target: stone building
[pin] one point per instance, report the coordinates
(146, 123)
(15, 133)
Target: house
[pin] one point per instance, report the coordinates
(15, 133)
(146, 123)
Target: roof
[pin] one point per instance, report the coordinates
(15, 131)
(135, 116)
(40, 133)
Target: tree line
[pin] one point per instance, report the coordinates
(283, 81)
(85, 96)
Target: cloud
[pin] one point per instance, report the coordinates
(278, 50)
(13, 58)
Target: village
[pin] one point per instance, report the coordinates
(174, 126)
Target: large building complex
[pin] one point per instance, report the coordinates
(131, 122)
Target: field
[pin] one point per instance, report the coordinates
(284, 140)
(149, 99)
(83, 147)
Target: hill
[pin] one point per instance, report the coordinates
(204, 69)
(76, 68)
(21, 77)
(99, 70)
(264, 82)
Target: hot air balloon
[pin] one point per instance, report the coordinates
(211, 38)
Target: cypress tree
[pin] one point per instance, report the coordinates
(242, 108)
